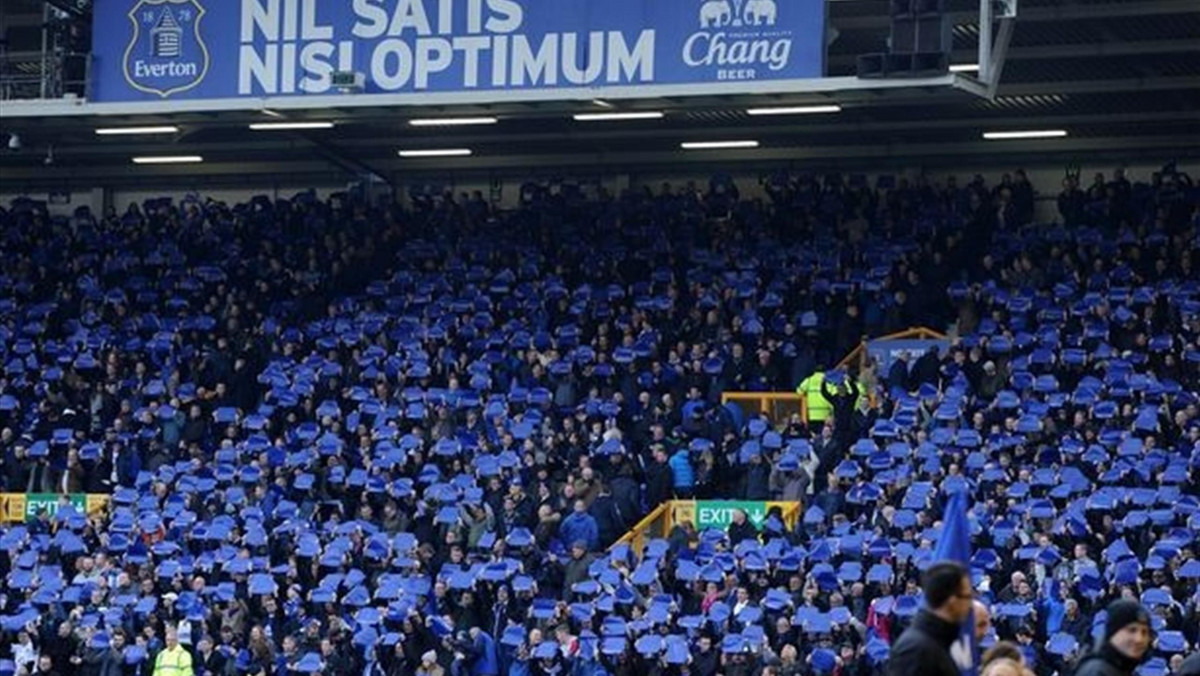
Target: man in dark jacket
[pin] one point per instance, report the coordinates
(926, 369)
(625, 490)
(843, 398)
(114, 659)
(1191, 666)
(576, 569)
(1125, 645)
(659, 482)
(897, 375)
(609, 521)
(756, 483)
(741, 529)
(924, 648)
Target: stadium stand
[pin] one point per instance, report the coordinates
(344, 440)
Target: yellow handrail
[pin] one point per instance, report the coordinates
(635, 538)
(915, 333)
(659, 522)
(14, 507)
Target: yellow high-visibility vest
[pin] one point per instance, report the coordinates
(819, 408)
(173, 662)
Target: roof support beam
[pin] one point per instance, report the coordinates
(1150, 84)
(1038, 52)
(1071, 12)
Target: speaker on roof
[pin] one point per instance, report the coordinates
(919, 44)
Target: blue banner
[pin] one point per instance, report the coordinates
(955, 545)
(151, 50)
(884, 352)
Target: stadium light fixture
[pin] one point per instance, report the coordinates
(437, 152)
(617, 117)
(289, 126)
(451, 121)
(1030, 134)
(717, 145)
(964, 68)
(168, 159)
(123, 131)
(796, 110)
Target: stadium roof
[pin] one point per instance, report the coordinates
(1122, 78)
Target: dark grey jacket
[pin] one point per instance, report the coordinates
(924, 648)
(1106, 661)
(1191, 666)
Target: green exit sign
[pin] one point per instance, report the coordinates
(50, 502)
(719, 513)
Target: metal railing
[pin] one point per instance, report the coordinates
(43, 75)
(858, 355)
(659, 522)
(776, 406)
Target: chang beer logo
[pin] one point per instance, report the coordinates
(738, 37)
(166, 53)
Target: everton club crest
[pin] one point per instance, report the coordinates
(166, 53)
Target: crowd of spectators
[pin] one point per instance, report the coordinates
(347, 439)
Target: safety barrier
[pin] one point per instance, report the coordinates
(703, 514)
(20, 507)
(858, 355)
(776, 406)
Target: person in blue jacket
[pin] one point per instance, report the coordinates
(683, 474)
(580, 526)
(485, 660)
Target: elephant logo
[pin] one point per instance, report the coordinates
(716, 14)
(759, 13)
(737, 13)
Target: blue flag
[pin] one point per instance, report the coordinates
(955, 545)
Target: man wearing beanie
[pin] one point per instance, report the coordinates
(1126, 642)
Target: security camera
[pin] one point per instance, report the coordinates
(14, 142)
(49, 160)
